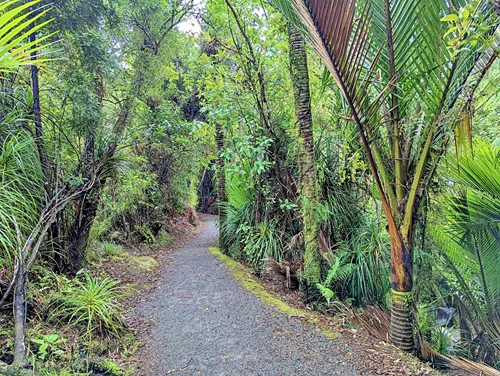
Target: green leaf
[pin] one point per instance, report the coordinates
(43, 347)
(51, 337)
(326, 292)
(450, 18)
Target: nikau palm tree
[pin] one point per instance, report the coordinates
(401, 72)
(309, 187)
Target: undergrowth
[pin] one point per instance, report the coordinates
(75, 324)
(89, 302)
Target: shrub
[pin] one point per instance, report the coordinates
(359, 268)
(110, 248)
(92, 303)
(263, 241)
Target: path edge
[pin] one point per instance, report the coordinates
(244, 277)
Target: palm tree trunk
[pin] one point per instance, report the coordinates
(309, 187)
(402, 315)
(221, 182)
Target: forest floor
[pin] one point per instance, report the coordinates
(202, 321)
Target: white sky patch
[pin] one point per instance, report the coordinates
(191, 25)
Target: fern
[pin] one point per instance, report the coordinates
(327, 293)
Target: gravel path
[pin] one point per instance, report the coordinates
(205, 323)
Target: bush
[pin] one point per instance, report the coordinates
(359, 270)
(109, 249)
(91, 303)
(263, 241)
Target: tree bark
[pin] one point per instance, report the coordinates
(401, 332)
(221, 183)
(85, 206)
(85, 211)
(19, 307)
(37, 117)
(309, 187)
(206, 191)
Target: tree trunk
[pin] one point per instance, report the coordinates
(402, 315)
(207, 191)
(79, 232)
(309, 187)
(221, 182)
(20, 356)
(37, 115)
(85, 206)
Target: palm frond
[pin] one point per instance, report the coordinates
(16, 26)
(472, 237)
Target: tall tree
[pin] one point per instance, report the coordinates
(85, 206)
(152, 22)
(309, 187)
(252, 63)
(221, 181)
(401, 72)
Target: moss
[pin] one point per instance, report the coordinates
(164, 238)
(144, 263)
(109, 368)
(243, 276)
(120, 256)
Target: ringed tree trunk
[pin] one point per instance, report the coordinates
(401, 330)
(309, 186)
(401, 333)
(221, 183)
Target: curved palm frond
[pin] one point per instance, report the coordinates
(17, 24)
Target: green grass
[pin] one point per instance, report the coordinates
(110, 249)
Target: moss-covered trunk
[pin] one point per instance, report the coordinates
(309, 187)
(221, 182)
